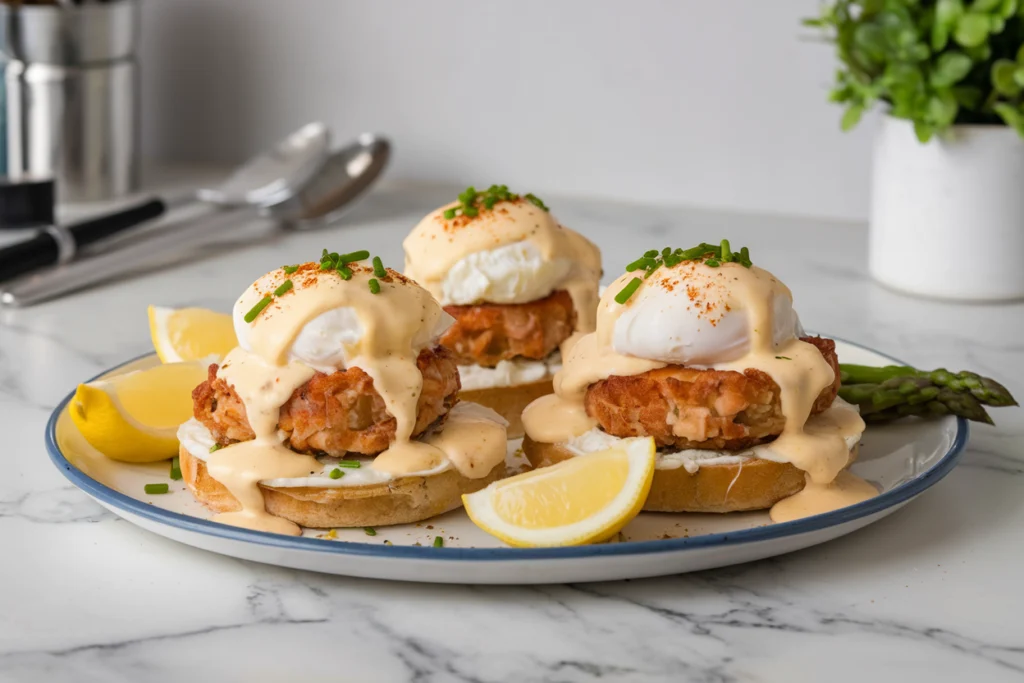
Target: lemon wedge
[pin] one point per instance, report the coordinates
(185, 334)
(586, 499)
(134, 417)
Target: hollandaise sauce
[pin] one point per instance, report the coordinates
(714, 293)
(393, 313)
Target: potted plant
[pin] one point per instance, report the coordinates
(947, 208)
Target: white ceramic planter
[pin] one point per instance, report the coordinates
(947, 217)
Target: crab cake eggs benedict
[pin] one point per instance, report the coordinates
(338, 408)
(519, 286)
(703, 352)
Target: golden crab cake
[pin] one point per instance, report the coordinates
(335, 413)
(486, 334)
(711, 409)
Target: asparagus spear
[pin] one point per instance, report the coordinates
(986, 390)
(911, 396)
(925, 410)
(896, 391)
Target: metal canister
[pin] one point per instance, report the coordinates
(71, 101)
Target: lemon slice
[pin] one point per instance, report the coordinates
(134, 417)
(582, 500)
(185, 334)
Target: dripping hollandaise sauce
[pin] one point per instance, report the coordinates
(817, 447)
(396, 317)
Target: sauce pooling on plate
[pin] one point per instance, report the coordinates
(736, 309)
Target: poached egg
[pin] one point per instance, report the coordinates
(329, 341)
(514, 253)
(689, 315)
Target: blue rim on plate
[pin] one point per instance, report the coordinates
(109, 496)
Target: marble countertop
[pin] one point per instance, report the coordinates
(932, 591)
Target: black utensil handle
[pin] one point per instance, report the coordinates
(42, 250)
(96, 229)
(24, 257)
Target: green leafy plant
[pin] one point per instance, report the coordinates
(933, 62)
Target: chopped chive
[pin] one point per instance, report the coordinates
(175, 468)
(471, 202)
(712, 254)
(255, 310)
(369, 531)
(642, 262)
(783, 358)
(288, 270)
(355, 464)
(215, 447)
(345, 272)
(360, 255)
(336, 474)
(378, 267)
(438, 542)
(157, 488)
(285, 286)
(326, 265)
(374, 286)
(627, 291)
(536, 201)
(727, 254)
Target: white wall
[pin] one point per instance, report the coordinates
(716, 103)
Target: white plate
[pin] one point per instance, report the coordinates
(902, 460)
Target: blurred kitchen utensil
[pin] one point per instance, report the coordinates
(348, 173)
(71, 105)
(268, 179)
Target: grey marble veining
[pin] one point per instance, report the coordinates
(931, 593)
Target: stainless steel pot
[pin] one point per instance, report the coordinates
(72, 96)
(70, 34)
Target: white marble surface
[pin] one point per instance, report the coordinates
(933, 591)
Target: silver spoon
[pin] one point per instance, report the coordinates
(345, 176)
(275, 176)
